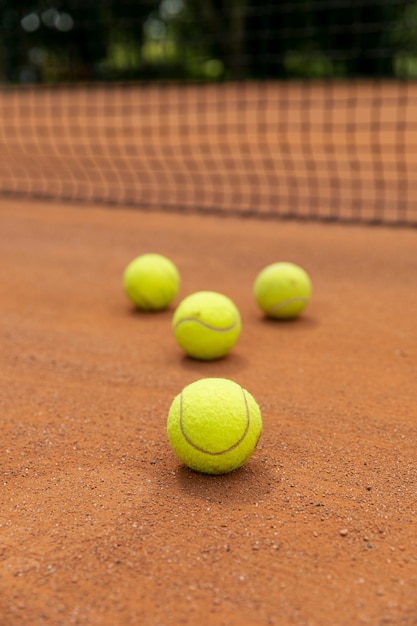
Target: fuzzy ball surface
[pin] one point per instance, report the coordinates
(151, 282)
(214, 425)
(206, 325)
(282, 290)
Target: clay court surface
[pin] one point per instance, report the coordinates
(101, 525)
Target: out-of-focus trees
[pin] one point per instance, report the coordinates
(230, 39)
(282, 38)
(70, 38)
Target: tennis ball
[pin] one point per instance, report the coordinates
(282, 290)
(151, 282)
(214, 425)
(206, 325)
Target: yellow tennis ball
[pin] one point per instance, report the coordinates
(282, 290)
(214, 425)
(206, 325)
(151, 282)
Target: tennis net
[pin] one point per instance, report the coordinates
(308, 113)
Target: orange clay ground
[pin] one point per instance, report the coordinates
(101, 525)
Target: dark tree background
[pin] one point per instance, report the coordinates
(354, 35)
(92, 39)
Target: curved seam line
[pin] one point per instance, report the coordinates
(280, 305)
(219, 330)
(235, 445)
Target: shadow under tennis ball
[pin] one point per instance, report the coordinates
(136, 312)
(250, 483)
(304, 322)
(228, 365)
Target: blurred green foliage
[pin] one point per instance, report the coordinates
(76, 40)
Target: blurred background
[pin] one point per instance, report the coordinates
(205, 40)
(299, 109)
